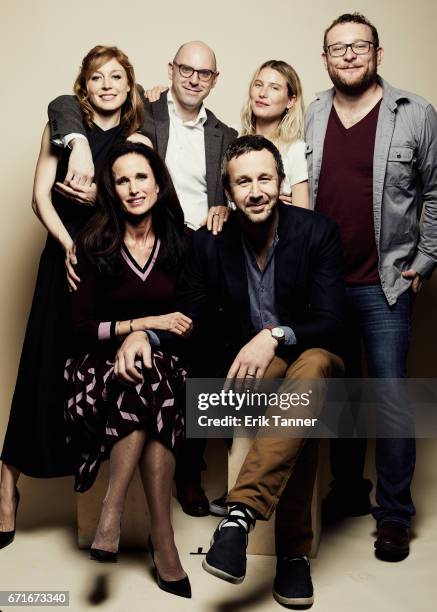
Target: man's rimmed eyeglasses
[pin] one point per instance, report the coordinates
(359, 47)
(187, 71)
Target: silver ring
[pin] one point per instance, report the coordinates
(216, 215)
(249, 374)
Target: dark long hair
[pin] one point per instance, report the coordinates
(102, 238)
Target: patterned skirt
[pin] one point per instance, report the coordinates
(100, 410)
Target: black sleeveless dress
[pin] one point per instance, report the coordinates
(35, 436)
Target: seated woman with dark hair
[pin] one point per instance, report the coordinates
(129, 257)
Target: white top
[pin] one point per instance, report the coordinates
(295, 165)
(185, 159)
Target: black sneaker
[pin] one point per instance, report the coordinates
(292, 585)
(226, 559)
(219, 507)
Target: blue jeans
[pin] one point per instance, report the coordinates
(385, 331)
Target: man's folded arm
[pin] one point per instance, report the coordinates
(65, 118)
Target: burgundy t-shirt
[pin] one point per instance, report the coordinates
(346, 193)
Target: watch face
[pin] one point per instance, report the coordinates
(278, 333)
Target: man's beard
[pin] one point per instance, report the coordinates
(356, 88)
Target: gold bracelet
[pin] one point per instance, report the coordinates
(116, 327)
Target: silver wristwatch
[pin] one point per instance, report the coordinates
(278, 334)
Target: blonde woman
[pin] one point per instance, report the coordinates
(274, 109)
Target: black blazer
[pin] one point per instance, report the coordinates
(65, 118)
(309, 289)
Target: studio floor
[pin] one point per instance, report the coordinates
(346, 574)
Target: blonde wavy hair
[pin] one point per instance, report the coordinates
(291, 126)
(132, 112)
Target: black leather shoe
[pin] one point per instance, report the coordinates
(293, 585)
(7, 537)
(103, 556)
(393, 541)
(192, 498)
(181, 588)
(226, 559)
(341, 502)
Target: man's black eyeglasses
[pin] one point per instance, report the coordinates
(187, 71)
(359, 47)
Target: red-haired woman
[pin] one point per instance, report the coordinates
(34, 442)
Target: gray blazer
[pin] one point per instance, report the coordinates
(404, 181)
(65, 118)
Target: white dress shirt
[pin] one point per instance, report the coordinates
(185, 159)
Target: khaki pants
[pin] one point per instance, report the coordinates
(279, 473)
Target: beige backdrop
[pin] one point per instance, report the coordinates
(41, 48)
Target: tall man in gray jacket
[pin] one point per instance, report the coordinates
(372, 164)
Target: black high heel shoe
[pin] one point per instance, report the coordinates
(181, 588)
(103, 556)
(7, 537)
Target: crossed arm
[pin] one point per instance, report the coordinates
(90, 330)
